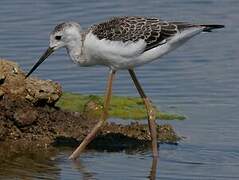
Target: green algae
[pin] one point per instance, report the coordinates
(121, 106)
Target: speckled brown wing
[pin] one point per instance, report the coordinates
(153, 31)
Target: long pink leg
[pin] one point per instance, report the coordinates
(101, 122)
(150, 111)
(153, 171)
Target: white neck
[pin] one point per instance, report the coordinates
(74, 49)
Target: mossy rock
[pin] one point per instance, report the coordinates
(120, 106)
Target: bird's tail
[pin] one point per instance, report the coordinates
(210, 27)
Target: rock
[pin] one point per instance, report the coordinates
(2, 78)
(42, 92)
(3, 130)
(92, 109)
(34, 90)
(28, 116)
(1, 93)
(25, 117)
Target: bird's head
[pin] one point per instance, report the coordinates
(64, 35)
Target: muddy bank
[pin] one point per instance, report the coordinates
(30, 120)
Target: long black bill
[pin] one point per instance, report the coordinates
(48, 52)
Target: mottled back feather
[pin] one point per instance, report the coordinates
(153, 31)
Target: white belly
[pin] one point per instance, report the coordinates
(119, 55)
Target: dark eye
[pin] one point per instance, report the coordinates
(58, 37)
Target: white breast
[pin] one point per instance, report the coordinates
(115, 54)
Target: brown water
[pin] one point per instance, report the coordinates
(199, 80)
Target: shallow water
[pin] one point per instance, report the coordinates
(199, 80)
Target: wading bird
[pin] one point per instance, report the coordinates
(121, 43)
